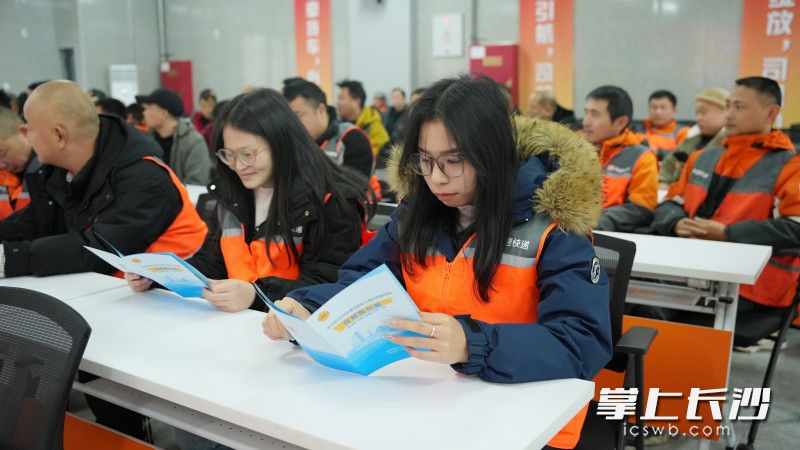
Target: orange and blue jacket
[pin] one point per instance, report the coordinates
(630, 183)
(547, 315)
(739, 185)
(663, 140)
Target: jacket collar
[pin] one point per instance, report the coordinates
(666, 129)
(367, 117)
(614, 145)
(774, 140)
(333, 127)
(306, 205)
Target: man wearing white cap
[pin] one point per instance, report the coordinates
(709, 112)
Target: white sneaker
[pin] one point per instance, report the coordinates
(764, 344)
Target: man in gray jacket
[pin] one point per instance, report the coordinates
(185, 150)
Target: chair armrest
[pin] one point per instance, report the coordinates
(636, 341)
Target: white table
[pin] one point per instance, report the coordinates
(709, 269)
(67, 287)
(712, 268)
(186, 354)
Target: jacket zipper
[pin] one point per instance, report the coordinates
(445, 286)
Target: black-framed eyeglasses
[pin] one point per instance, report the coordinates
(245, 156)
(451, 164)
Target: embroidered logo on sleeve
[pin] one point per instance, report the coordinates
(595, 270)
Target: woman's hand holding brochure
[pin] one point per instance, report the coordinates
(273, 327)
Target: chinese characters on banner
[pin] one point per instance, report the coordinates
(312, 37)
(545, 45)
(770, 47)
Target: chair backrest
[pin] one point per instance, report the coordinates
(42, 341)
(206, 206)
(383, 214)
(616, 257)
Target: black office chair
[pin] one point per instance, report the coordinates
(383, 214)
(42, 341)
(206, 206)
(751, 327)
(616, 257)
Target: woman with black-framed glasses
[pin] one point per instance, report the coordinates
(286, 216)
(492, 242)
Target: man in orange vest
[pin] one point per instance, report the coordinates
(344, 143)
(630, 171)
(98, 176)
(729, 192)
(16, 159)
(661, 130)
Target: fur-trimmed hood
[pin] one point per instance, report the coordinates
(559, 175)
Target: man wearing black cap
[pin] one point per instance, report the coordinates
(184, 148)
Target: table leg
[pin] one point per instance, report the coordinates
(730, 290)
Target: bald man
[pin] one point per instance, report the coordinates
(543, 105)
(98, 177)
(16, 160)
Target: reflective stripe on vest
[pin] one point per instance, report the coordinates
(752, 197)
(187, 232)
(11, 189)
(617, 175)
(5, 203)
(334, 147)
(250, 262)
(448, 287)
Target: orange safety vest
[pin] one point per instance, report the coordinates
(188, 231)
(250, 262)
(752, 197)
(448, 287)
(618, 157)
(13, 195)
(664, 140)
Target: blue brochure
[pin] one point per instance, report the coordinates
(347, 332)
(166, 269)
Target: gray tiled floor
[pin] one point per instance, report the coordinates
(781, 431)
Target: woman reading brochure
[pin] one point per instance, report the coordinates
(492, 242)
(286, 216)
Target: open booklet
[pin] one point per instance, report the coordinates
(347, 332)
(166, 269)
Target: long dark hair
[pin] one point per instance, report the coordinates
(475, 114)
(295, 159)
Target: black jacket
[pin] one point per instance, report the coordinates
(566, 117)
(127, 200)
(357, 149)
(320, 265)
